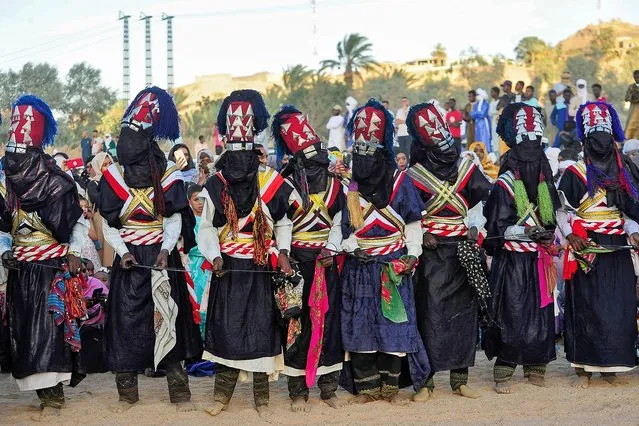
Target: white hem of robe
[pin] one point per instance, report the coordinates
(271, 365)
(321, 370)
(42, 381)
(596, 369)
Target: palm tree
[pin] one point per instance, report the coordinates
(353, 55)
(296, 77)
(439, 53)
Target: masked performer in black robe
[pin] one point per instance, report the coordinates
(316, 349)
(145, 209)
(598, 195)
(521, 209)
(447, 307)
(44, 231)
(245, 232)
(379, 324)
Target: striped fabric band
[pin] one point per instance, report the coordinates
(521, 246)
(141, 237)
(35, 253)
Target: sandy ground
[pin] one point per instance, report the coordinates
(559, 403)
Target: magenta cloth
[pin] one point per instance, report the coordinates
(318, 304)
(92, 285)
(545, 264)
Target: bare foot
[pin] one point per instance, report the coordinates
(46, 413)
(536, 380)
(335, 402)
(614, 380)
(265, 412)
(581, 382)
(216, 408)
(422, 395)
(299, 405)
(362, 398)
(186, 407)
(120, 407)
(467, 392)
(398, 399)
(502, 387)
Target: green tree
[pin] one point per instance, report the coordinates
(603, 45)
(296, 77)
(582, 67)
(388, 83)
(85, 99)
(439, 52)
(353, 56)
(531, 49)
(41, 80)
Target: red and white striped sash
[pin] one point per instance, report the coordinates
(444, 229)
(521, 246)
(607, 227)
(243, 250)
(35, 253)
(141, 237)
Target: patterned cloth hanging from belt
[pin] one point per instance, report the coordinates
(387, 219)
(444, 196)
(311, 227)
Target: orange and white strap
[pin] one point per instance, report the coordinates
(521, 246)
(244, 250)
(141, 237)
(308, 244)
(45, 252)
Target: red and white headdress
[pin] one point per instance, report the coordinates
(599, 117)
(426, 124)
(241, 117)
(32, 124)
(519, 122)
(293, 133)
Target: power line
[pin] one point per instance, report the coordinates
(67, 47)
(63, 37)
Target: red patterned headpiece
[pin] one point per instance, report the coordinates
(239, 122)
(426, 124)
(528, 124)
(145, 113)
(596, 117)
(369, 127)
(296, 132)
(27, 126)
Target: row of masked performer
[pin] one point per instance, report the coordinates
(374, 283)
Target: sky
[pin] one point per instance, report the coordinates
(242, 37)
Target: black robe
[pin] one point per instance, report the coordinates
(522, 332)
(332, 352)
(129, 330)
(242, 319)
(600, 311)
(447, 308)
(37, 344)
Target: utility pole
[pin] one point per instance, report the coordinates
(314, 8)
(169, 51)
(147, 47)
(126, 71)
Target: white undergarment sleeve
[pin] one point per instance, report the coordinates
(171, 229)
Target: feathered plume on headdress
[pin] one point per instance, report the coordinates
(366, 130)
(154, 107)
(42, 126)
